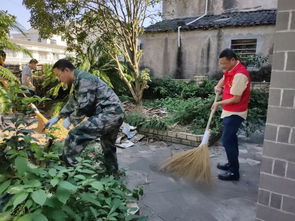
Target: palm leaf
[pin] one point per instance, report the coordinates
(8, 75)
(5, 104)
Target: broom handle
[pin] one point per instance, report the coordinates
(212, 113)
(32, 105)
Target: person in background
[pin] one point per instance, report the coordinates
(27, 74)
(235, 89)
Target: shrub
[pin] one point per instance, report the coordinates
(195, 112)
(257, 111)
(139, 120)
(167, 87)
(35, 186)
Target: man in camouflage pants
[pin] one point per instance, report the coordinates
(94, 99)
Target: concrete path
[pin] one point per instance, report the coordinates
(167, 199)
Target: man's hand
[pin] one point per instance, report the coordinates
(51, 122)
(218, 89)
(215, 106)
(66, 123)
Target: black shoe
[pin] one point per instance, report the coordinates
(223, 166)
(228, 175)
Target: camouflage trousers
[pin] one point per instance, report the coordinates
(103, 126)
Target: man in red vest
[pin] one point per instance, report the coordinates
(235, 89)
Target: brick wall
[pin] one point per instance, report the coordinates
(276, 196)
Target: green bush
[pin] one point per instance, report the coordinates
(167, 87)
(139, 120)
(257, 111)
(35, 186)
(195, 112)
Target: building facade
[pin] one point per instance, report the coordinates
(46, 51)
(246, 26)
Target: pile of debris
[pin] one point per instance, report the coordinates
(144, 110)
(128, 136)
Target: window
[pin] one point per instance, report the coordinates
(53, 41)
(244, 47)
(39, 39)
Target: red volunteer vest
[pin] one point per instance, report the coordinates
(228, 80)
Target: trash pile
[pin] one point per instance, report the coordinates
(128, 136)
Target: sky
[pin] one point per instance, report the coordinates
(16, 8)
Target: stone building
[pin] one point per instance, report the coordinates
(245, 25)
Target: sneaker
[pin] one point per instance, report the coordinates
(225, 166)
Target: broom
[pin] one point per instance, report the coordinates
(41, 119)
(192, 164)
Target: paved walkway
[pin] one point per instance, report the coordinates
(167, 199)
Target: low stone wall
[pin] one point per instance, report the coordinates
(260, 85)
(174, 137)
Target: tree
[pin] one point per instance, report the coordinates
(117, 24)
(7, 22)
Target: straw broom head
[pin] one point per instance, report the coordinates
(192, 164)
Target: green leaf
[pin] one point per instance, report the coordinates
(94, 212)
(89, 197)
(54, 182)
(64, 191)
(39, 197)
(68, 186)
(39, 217)
(97, 185)
(28, 204)
(16, 189)
(21, 164)
(87, 171)
(5, 216)
(4, 186)
(33, 183)
(80, 177)
(52, 172)
(27, 217)
(19, 198)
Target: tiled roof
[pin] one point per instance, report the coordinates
(230, 19)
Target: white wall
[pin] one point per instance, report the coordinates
(44, 53)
